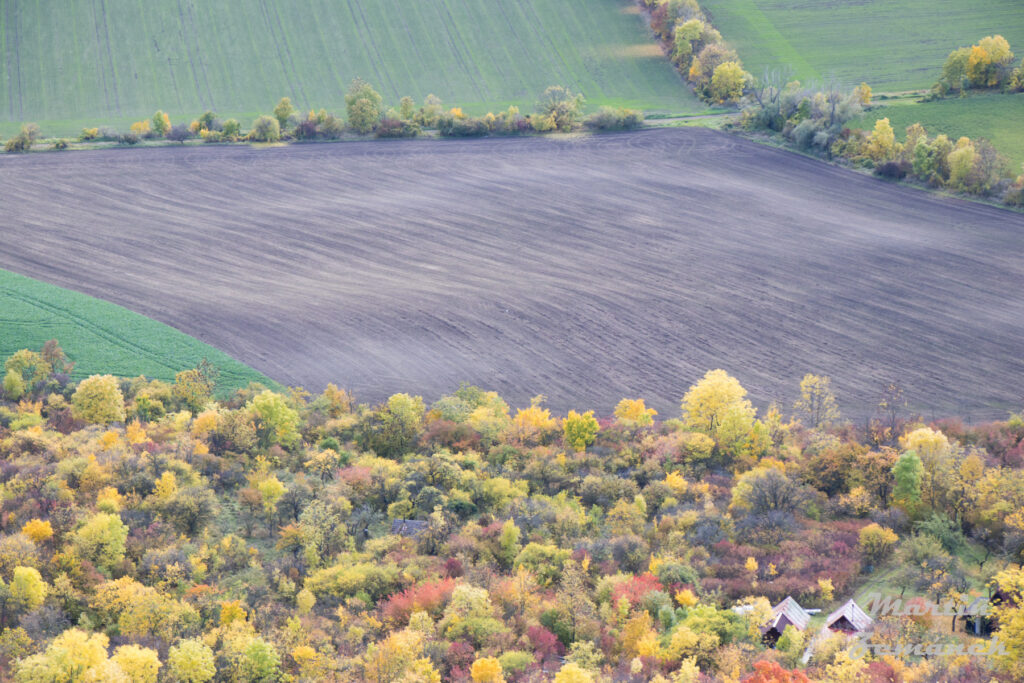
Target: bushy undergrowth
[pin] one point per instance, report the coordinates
(152, 533)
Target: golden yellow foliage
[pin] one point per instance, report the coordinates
(38, 530)
(533, 422)
(134, 433)
(686, 598)
(572, 673)
(205, 422)
(109, 500)
(633, 413)
(677, 483)
(166, 486)
(231, 611)
(109, 439)
(487, 670)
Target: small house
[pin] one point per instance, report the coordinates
(849, 618)
(408, 527)
(786, 613)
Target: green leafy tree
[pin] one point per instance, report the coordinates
(161, 124)
(580, 429)
(561, 106)
(14, 385)
(194, 387)
(907, 471)
(102, 540)
(265, 129)
(98, 400)
(364, 106)
(27, 590)
(508, 543)
(261, 662)
(284, 111)
(276, 421)
(393, 429)
(191, 661)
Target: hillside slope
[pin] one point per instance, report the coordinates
(584, 268)
(109, 61)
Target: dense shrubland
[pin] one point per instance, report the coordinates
(152, 533)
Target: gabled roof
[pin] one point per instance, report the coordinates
(787, 613)
(408, 527)
(857, 617)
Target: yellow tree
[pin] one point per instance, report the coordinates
(487, 670)
(98, 400)
(961, 162)
(533, 423)
(817, 401)
(632, 413)
(140, 664)
(882, 141)
(728, 81)
(712, 400)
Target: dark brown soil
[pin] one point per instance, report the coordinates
(584, 268)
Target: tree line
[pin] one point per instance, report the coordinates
(557, 109)
(697, 49)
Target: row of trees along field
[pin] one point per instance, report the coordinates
(151, 533)
(557, 109)
(697, 49)
(817, 121)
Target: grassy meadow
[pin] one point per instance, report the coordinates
(894, 45)
(119, 60)
(102, 337)
(995, 117)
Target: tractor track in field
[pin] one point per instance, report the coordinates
(110, 55)
(587, 268)
(364, 30)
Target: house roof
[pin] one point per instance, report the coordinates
(787, 613)
(857, 617)
(408, 527)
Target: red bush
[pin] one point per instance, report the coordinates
(430, 597)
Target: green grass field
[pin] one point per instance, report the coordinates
(894, 45)
(996, 117)
(114, 61)
(101, 337)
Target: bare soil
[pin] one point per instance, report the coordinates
(587, 268)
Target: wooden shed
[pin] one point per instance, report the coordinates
(786, 613)
(849, 618)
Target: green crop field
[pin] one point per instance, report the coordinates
(102, 337)
(995, 117)
(113, 61)
(894, 45)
